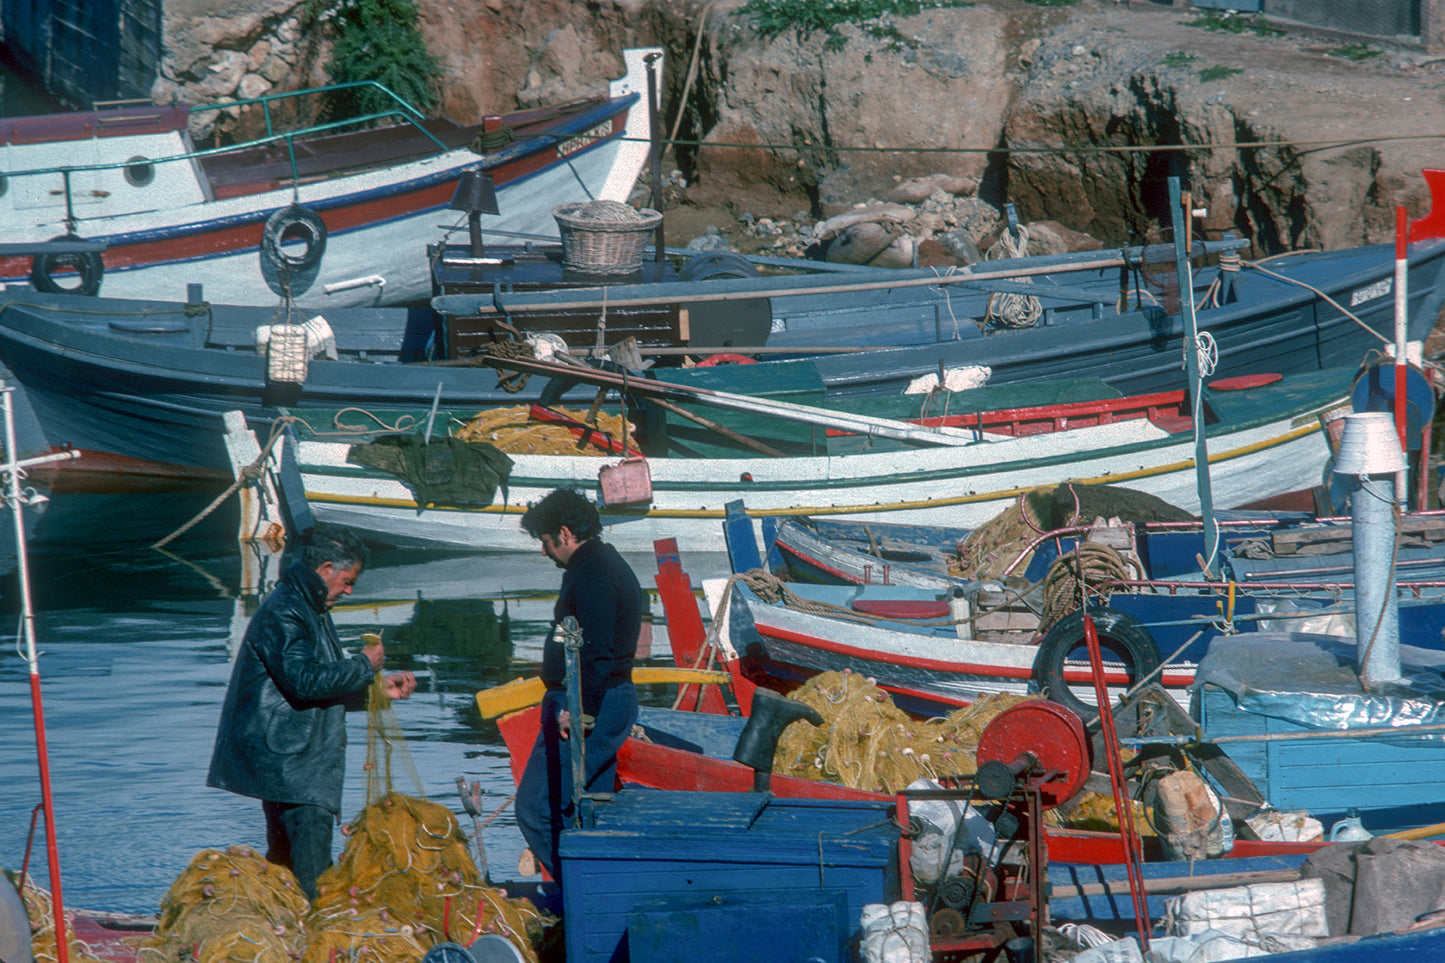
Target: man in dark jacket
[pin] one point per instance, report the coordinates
(282, 735)
(602, 593)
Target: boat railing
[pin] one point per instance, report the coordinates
(402, 112)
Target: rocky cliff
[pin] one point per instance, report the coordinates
(1075, 114)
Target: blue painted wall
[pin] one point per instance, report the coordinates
(84, 51)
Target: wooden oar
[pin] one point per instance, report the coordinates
(787, 411)
(522, 693)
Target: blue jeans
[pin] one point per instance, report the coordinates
(298, 836)
(544, 796)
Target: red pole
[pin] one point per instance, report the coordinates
(1402, 307)
(1122, 803)
(52, 854)
(16, 499)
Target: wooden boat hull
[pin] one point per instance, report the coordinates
(184, 226)
(1264, 443)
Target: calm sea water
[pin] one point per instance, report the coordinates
(136, 648)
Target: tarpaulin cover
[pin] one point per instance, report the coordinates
(1311, 680)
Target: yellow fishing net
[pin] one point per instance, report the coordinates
(405, 882)
(866, 742)
(515, 431)
(41, 912)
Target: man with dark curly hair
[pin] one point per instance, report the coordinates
(282, 735)
(602, 593)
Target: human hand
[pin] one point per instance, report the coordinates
(399, 685)
(373, 649)
(564, 724)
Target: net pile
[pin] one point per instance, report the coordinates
(405, 882)
(866, 742)
(1003, 541)
(229, 905)
(514, 431)
(40, 911)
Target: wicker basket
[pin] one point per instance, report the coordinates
(604, 237)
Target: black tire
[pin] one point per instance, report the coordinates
(1119, 634)
(294, 223)
(88, 269)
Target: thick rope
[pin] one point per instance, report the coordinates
(247, 474)
(1087, 568)
(1012, 310)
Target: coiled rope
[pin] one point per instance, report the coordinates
(1012, 310)
(1087, 569)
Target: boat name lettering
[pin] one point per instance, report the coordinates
(585, 139)
(1377, 290)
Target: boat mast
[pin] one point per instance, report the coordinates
(1181, 220)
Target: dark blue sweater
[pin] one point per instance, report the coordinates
(601, 592)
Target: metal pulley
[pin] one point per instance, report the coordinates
(1034, 739)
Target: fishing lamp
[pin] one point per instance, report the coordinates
(476, 194)
(1369, 445)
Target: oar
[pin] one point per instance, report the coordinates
(786, 410)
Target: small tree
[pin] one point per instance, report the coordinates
(376, 40)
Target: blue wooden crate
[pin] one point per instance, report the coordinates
(644, 844)
(1392, 782)
(780, 926)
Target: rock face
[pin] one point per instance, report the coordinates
(1074, 114)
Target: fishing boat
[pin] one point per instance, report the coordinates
(141, 211)
(1264, 440)
(875, 333)
(1277, 569)
(147, 380)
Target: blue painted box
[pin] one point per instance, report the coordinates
(645, 845)
(1391, 782)
(787, 926)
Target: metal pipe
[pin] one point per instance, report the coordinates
(1377, 617)
(17, 499)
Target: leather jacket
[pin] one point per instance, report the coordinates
(282, 734)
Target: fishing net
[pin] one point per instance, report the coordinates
(229, 905)
(1002, 543)
(405, 882)
(514, 430)
(866, 742)
(40, 911)
(406, 873)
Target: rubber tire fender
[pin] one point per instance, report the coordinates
(1119, 633)
(88, 267)
(297, 223)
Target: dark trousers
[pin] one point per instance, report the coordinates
(298, 836)
(544, 796)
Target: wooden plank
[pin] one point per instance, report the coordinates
(1289, 541)
(1176, 884)
(522, 693)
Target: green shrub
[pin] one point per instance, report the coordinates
(1356, 52)
(1217, 73)
(778, 16)
(1234, 23)
(376, 40)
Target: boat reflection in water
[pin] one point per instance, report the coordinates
(135, 659)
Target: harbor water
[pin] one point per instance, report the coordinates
(135, 650)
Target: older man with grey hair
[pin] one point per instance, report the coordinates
(282, 735)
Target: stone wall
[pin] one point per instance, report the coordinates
(1072, 113)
